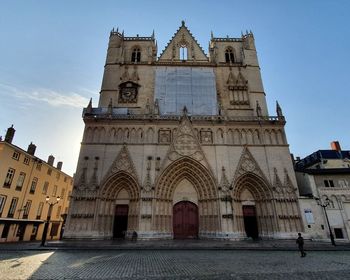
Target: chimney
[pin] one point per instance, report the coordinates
(59, 165)
(10, 134)
(335, 146)
(31, 149)
(50, 160)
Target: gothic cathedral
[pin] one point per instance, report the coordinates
(182, 146)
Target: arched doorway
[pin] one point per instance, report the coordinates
(186, 180)
(120, 223)
(118, 206)
(250, 222)
(185, 220)
(254, 207)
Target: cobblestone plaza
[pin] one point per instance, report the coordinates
(173, 264)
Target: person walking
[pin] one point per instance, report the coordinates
(300, 242)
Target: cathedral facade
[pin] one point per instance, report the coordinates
(181, 145)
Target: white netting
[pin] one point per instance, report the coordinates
(176, 87)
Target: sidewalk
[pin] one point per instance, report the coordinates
(261, 245)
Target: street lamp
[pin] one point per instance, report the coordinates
(324, 205)
(51, 204)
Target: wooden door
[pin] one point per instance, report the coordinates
(120, 221)
(185, 220)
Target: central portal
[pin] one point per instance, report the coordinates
(185, 220)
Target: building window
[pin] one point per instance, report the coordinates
(27, 209)
(45, 188)
(63, 192)
(65, 179)
(136, 55)
(26, 160)
(2, 203)
(58, 213)
(13, 206)
(58, 175)
(49, 171)
(38, 166)
(183, 53)
(40, 210)
(328, 183)
(20, 181)
(9, 178)
(229, 57)
(33, 185)
(338, 232)
(54, 191)
(16, 155)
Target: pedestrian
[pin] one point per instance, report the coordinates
(300, 242)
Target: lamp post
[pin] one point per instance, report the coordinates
(324, 205)
(51, 204)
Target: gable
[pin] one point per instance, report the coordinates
(183, 39)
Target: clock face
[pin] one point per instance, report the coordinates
(128, 94)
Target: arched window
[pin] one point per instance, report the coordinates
(136, 55)
(229, 57)
(183, 53)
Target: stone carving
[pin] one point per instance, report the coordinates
(277, 184)
(164, 136)
(224, 183)
(247, 164)
(206, 136)
(123, 162)
(185, 143)
(288, 183)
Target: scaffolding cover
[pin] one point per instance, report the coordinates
(194, 88)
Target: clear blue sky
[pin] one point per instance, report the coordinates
(52, 55)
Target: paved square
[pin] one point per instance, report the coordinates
(173, 264)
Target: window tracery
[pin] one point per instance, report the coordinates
(136, 55)
(229, 57)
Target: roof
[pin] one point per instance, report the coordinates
(324, 171)
(320, 155)
(33, 157)
(185, 32)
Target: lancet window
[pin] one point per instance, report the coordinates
(229, 57)
(136, 55)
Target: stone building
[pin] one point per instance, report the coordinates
(325, 174)
(181, 145)
(26, 182)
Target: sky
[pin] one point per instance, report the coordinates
(52, 56)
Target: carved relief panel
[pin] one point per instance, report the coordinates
(164, 136)
(206, 136)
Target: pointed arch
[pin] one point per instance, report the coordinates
(88, 134)
(254, 183)
(118, 181)
(102, 132)
(112, 134)
(249, 137)
(193, 171)
(220, 136)
(120, 135)
(96, 135)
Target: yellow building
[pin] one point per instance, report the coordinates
(27, 184)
